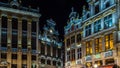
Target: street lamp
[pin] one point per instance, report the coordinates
(95, 65)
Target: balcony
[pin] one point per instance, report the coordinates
(14, 49)
(4, 49)
(24, 50)
(34, 51)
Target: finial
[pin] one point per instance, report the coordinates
(20, 1)
(72, 9)
(83, 7)
(29, 6)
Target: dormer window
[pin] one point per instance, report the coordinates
(107, 4)
(88, 15)
(97, 9)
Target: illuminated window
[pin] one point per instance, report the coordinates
(73, 54)
(68, 42)
(88, 30)
(108, 21)
(79, 51)
(68, 56)
(78, 38)
(109, 41)
(97, 26)
(88, 48)
(72, 39)
(98, 45)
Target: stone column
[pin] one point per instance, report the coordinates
(92, 28)
(19, 54)
(51, 50)
(9, 40)
(0, 35)
(29, 44)
(102, 4)
(92, 9)
(45, 48)
(103, 43)
(56, 52)
(102, 24)
(37, 47)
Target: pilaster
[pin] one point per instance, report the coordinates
(19, 54)
(0, 35)
(29, 44)
(9, 40)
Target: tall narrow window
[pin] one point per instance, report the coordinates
(4, 31)
(42, 49)
(14, 32)
(24, 34)
(78, 38)
(68, 56)
(79, 51)
(108, 21)
(72, 39)
(89, 48)
(48, 50)
(109, 42)
(54, 52)
(97, 10)
(97, 26)
(68, 42)
(33, 39)
(107, 4)
(73, 54)
(59, 53)
(88, 30)
(98, 45)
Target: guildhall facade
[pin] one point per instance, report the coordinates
(51, 55)
(94, 38)
(18, 35)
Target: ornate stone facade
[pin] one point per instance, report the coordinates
(18, 36)
(99, 35)
(50, 47)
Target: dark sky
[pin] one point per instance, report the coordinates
(58, 10)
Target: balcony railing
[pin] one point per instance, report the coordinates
(14, 49)
(24, 50)
(4, 49)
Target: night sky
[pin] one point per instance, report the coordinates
(58, 10)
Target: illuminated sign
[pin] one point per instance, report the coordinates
(88, 58)
(108, 54)
(97, 56)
